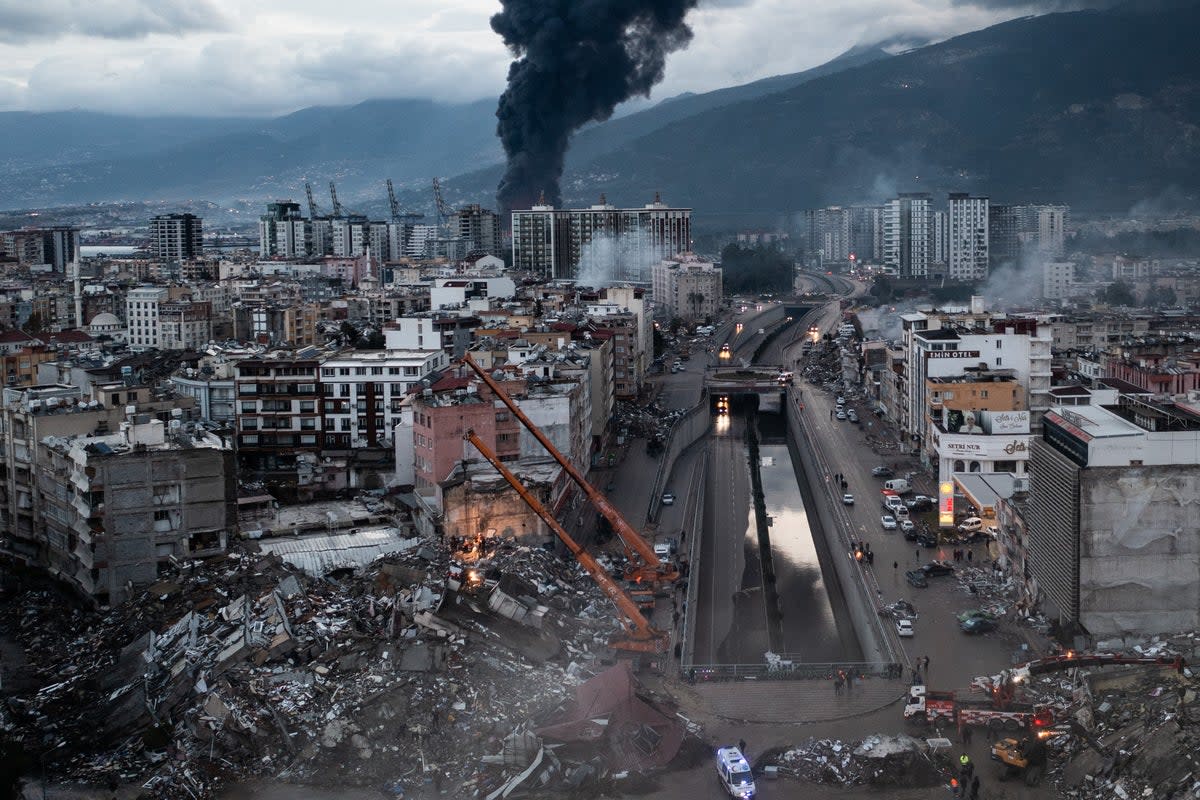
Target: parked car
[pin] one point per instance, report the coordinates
(927, 540)
(976, 613)
(901, 512)
(920, 503)
(907, 525)
(904, 627)
(851, 415)
(901, 609)
(910, 534)
(882, 471)
(916, 578)
(841, 401)
(971, 525)
(888, 522)
(935, 568)
(978, 625)
(668, 499)
(847, 499)
(841, 414)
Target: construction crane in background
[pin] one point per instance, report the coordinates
(443, 210)
(645, 566)
(312, 204)
(641, 636)
(407, 217)
(337, 207)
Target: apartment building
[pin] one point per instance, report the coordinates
(119, 507)
(175, 238)
(363, 392)
(620, 243)
(907, 235)
(279, 422)
(687, 286)
(967, 237)
(944, 345)
(1113, 546)
(142, 316)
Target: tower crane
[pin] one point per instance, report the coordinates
(312, 204)
(337, 207)
(641, 636)
(646, 566)
(407, 217)
(443, 211)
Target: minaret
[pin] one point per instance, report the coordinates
(78, 292)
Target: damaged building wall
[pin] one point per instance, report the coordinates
(134, 510)
(477, 507)
(1139, 565)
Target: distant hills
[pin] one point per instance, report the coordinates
(1099, 109)
(78, 156)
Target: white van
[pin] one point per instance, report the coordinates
(898, 485)
(733, 770)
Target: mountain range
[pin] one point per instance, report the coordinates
(1098, 109)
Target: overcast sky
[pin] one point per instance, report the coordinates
(247, 57)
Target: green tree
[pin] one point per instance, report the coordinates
(34, 324)
(1119, 293)
(755, 270)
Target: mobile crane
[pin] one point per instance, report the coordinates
(641, 636)
(646, 566)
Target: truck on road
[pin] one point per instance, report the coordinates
(925, 706)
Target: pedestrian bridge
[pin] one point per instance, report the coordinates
(758, 379)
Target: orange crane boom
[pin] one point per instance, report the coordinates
(649, 567)
(643, 637)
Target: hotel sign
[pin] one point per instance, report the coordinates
(952, 354)
(984, 448)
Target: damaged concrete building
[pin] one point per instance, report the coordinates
(100, 490)
(1113, 543)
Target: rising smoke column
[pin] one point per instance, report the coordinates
(576, 60)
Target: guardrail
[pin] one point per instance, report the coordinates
(788, 669)
(672, 451)
(695, 567)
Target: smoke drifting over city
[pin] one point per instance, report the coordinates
(576, 61)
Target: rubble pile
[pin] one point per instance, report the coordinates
(241, 666)
(879, 760)
(1134, 732)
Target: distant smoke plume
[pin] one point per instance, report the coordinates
(576, 60)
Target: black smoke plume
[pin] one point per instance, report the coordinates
(575, 61)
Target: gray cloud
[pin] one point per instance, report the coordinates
(1037, 6)
(23, 21)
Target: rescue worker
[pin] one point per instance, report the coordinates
(965, 767)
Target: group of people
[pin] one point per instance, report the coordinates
(843, 678)
(862, 552)
(963, 555)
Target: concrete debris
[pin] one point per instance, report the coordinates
(1126, 731)
(242, 666)
(878, 760)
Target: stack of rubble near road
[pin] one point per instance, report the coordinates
(1134, 731)
(897, 760)
(241, 666)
